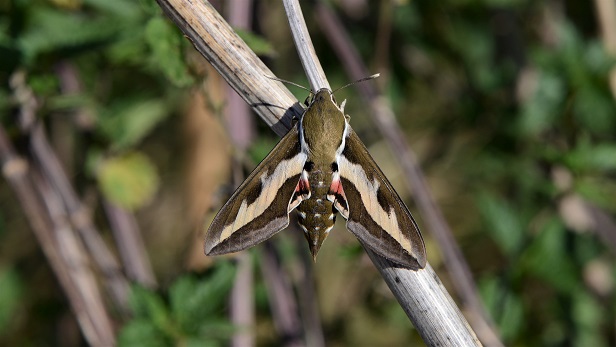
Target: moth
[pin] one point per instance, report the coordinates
(321, 168)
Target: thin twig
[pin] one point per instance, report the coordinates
(604, 225)
(305, 49)
(307, 295)
(282, 301)
(130, 244)
(384, 118)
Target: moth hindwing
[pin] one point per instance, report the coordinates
(321, 168)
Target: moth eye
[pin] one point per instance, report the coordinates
(309, 166)
(334, 167)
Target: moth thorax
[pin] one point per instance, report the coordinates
(323, 126)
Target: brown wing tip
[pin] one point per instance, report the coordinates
(211, 249)
(412, 264)
(414, 261)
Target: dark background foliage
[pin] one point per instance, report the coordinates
(507, 103)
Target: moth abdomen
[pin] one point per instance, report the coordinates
(316, 214)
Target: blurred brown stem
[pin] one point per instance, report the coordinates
(242, 294)
(237, 113)
(241, 129)
(306, 293)
(80, 218)
(76, 260)
(242, 302)
(282, 302)
(77, 282)
(52, 171)
(603, 224)
(122, 222)
(606, 14)
(130, 245)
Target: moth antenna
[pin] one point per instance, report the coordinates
(359, 80)
(288, 82)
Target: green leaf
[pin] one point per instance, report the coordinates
(597, 59)
(69, 102)
(129, 180)
(503, 4)
(406, 17)
(194, 301)
(120, 8)
(142, 333)
(198, 342)
(148, 306)
(541, 111)
(257, 43)
(43, 84)
(260, 148)
(594, 109)
(599, 190)
(10, 296)
(129, 48)
(588, 157)
(5, 102)
(512, 317)
(549, 259)
(589, 317)
(504, 305)
(190, 319)
(217, 329)
(503, 223)
(127, 124)
(570, 50)
(479, 55)
(52, 30)
(164, 41)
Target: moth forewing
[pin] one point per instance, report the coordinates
(259, 208)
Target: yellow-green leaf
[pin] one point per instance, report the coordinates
(129, 180)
